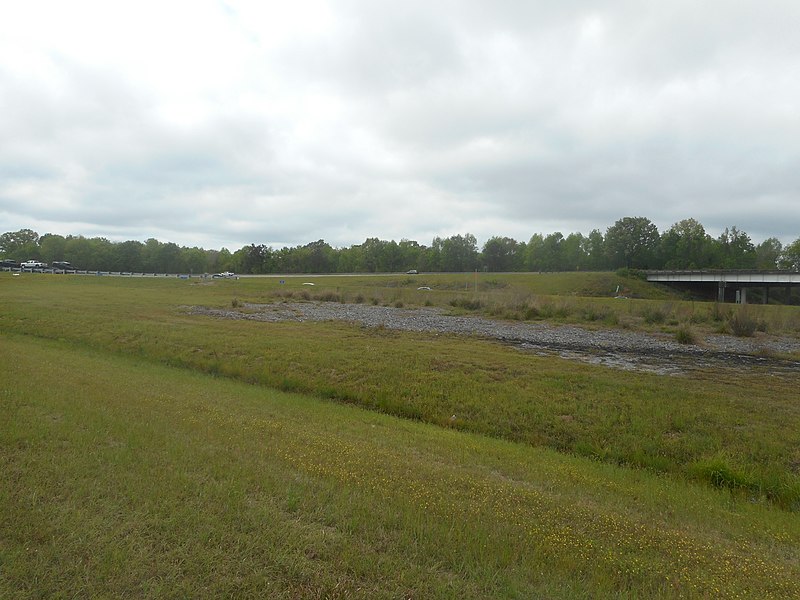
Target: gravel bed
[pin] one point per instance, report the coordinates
(612, 347)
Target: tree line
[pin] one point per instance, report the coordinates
(631, 242)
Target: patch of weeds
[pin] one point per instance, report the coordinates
(654, 316)
(375, 301)
(685, 334)
(696, 318)
(329, 297)
(493, 284)
(594, 313)
(590, 450)
(742, 324)
(719, 313)
(467, 303)
(719, 474)
(359, 299)
(398, 304)
(555, 311)
(235, 303)
(531, 312)
(305, 295)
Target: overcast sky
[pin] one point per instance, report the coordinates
(228, 123)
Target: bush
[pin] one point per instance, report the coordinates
(467, 303)
(329, 297)
(718, 313)
(654, 316)
(742, 324)
(685, 335)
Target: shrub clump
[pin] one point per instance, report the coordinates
(654, 316)
(329, 297)
(685, 335)
(467, 303)
(741, 324)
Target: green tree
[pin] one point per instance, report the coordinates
(632, 242)
(534, 253)
(151, 255)
(768, 253)
(371, 255)
(318, 257)
(573, 255)
(195, 260)
(351, 260)
(735, 250)
(459, 253)
(127, 256)
(594, 251)
(790, 256)
(410, 252)
(552, 252)
(501, 254)
(52, 247)
(686, 245)
(20, 245)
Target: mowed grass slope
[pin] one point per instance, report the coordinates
(123, 478)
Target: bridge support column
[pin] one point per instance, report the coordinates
(721, 293)
(766, 295)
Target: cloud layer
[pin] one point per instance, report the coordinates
(225, 123)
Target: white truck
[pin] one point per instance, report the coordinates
(33, 264)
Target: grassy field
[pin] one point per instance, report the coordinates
(147, 452)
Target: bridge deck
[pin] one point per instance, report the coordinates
(728, 282)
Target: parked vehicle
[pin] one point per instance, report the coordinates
(62, 265)
(223, 275)
(7, 263)
(33, 264)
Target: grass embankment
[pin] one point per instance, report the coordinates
(122, 478)
(731, 431)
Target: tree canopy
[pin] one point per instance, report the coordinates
(631, 242)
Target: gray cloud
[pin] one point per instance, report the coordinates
(269, 123)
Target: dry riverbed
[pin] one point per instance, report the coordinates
(611, 347)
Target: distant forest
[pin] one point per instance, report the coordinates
(632, 242)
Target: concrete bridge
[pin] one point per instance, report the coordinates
(732, 286)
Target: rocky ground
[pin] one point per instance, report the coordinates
(612, 347)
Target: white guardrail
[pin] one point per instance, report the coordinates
(103, 273)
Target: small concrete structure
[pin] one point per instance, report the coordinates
(730, 285)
